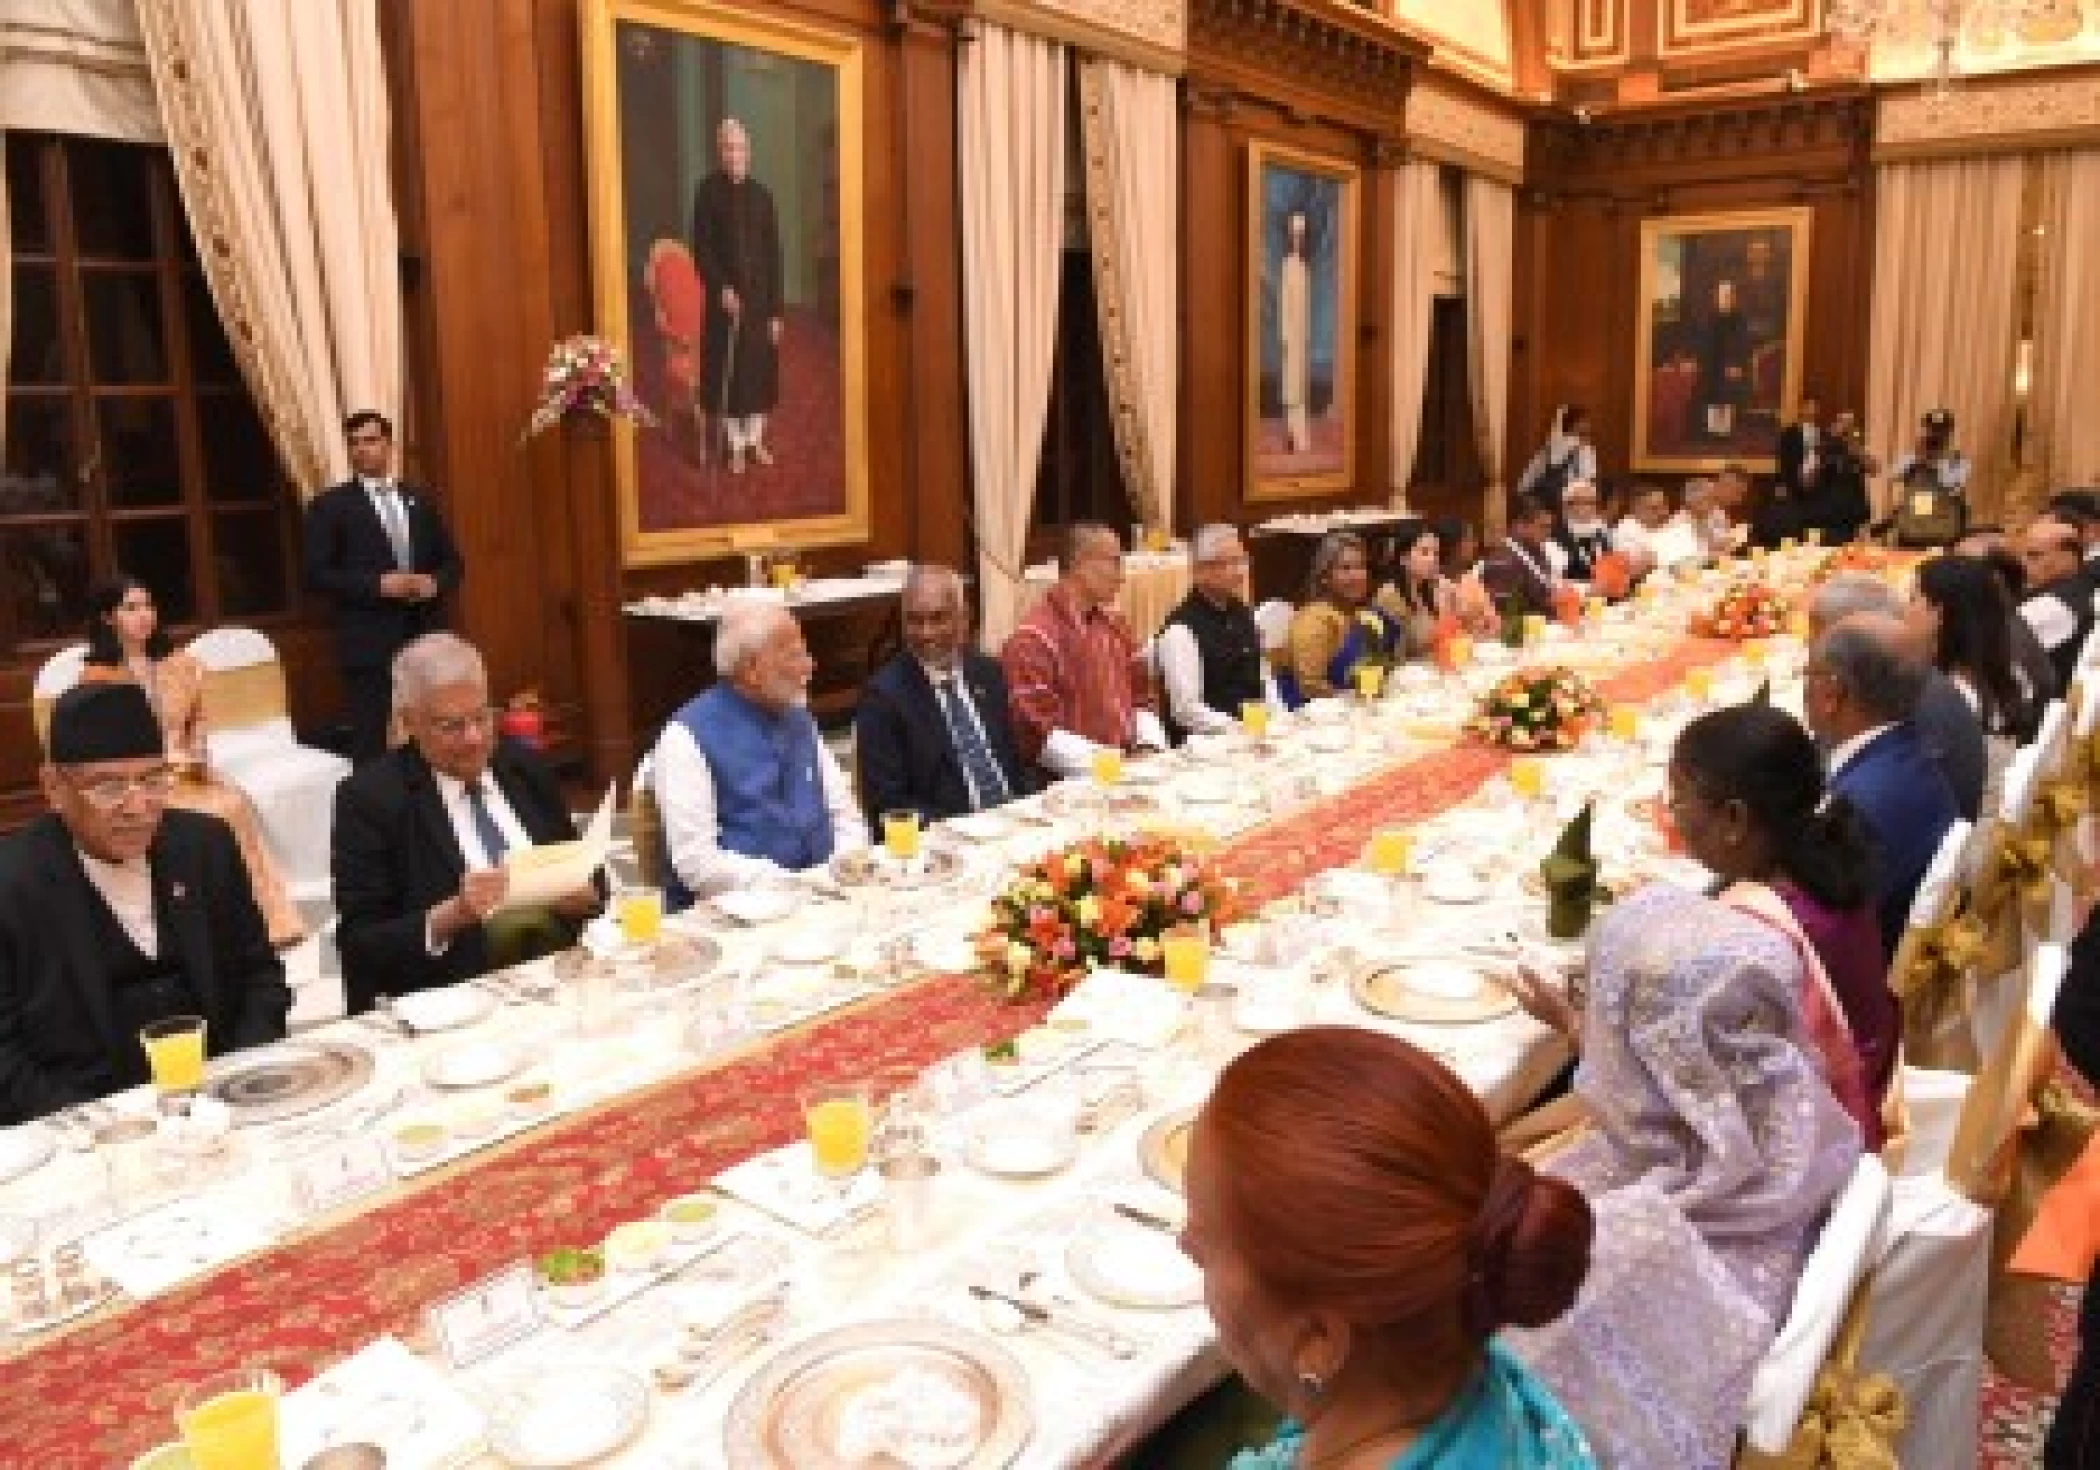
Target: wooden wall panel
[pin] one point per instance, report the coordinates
(1578, 244)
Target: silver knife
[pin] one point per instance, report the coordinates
(1110, 1341)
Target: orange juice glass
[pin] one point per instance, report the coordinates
(1699, 683)
(1527, 777)
(900, 835)
(1534, 628)
(1461, 649)
(1254, 718)
(1185, 949)
(1626, 722)
(229, 1421)
(1392, 849)
(840, 1120)
(175, 1055)
(640, 911)
(1370, 679)
(1107, 766)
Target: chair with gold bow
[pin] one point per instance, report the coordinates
(1809, 1405)
(2080, 766)
(2017, 898)
(252, 745)
(1935, 963)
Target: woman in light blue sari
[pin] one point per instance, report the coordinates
(1362, 1241)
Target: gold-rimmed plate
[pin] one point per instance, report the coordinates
(1076, 799)
(1164, 1149)
(1417, 992)
(808, 1408)
(871, 867)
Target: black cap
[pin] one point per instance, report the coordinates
(104, 722)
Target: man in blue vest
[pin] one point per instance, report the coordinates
(749, 793)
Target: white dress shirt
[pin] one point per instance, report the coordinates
(2053, 622)
(685, 794)
(1843, 754)
(128, 890)
(391, 506)
(1181, 671)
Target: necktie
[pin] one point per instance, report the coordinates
(983, 771)
(396, 526)
(491, 835)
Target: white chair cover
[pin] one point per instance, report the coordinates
(60, 672)
(1844, 1252)
(2050, 738)
(1943, 877)
(292, 785)
(1273, 618)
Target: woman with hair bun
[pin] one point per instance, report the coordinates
(1362, 1241)
(1748, 797)
(1716, 1149)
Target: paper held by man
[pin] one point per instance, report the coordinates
(541, 875)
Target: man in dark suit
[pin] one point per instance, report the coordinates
(116, 912)
(420, 835)
(1861, 689)
(1520, 570)
(380, 552)
(931, 734)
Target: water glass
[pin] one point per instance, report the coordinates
(907, 1199)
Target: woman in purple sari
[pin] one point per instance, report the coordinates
(1716, 1150)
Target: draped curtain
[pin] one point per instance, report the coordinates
(1417, 216)
(1946, 263)
(2067, 321)
(1011, 90)
(1490, 268)
(1131, 126)
(276, 113)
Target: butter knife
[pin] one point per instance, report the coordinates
(1110, 1341)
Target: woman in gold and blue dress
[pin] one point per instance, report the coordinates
(1340, 625)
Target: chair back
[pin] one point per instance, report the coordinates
(2017, 1065)
(1933, 972)
(59, 673)
(1273, 619)
(243, 680)
(646, 818)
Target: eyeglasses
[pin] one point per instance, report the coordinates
(451, 727)
(107, 793)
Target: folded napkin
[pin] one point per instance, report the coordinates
(1115, 1005)
(1763, 695)
(1570, 872)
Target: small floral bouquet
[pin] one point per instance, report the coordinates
(1105, 901)
(1858, 556)
(585, 374)
(1745, 610)
(1537, 709)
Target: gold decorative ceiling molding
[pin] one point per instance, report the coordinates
(1353, 56)
(1452, 125)
(1998, 115)
(1147, 33)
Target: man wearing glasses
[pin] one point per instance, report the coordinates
(1210, 655)
(420, 836)
(116, 912)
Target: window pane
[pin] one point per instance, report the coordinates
(44, 577)
(40, 476)
(25, 195)
(125, 343)
(36, 357)
(112, 216)
(157, 552)
(239, 462)
(138, 451)
(211, 358)
(250, 557)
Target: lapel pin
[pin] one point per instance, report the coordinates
(176, 890)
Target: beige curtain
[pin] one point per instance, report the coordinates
(1131, 126)
(2067, 321)
(1012, 152)
(1946, 260)
(1490, 268)
(1417, 219)
(276, 112)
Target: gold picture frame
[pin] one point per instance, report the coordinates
(1718, 339)
(763, 434)
(1307, 447)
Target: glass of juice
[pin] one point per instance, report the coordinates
(1185, 949)
(840, 1120)
(1254, 718)
(1370, 679)
(1534, 628)
(1626, 723)
(900, 834)
(175, 1055)
(1107, 766)
(640, 911)
(229, 1420)
(1527, 777)
(1699, 683)
(1461, 652)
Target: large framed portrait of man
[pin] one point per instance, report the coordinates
(725, 173)
(1301, 323)
(1717, 356)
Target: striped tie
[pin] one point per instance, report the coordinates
(491, 835)
(986, 783)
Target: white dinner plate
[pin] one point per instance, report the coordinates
(1454, 885)
(947, 954)
(981, 827)
(1022, 1143)
(809, 947)
(22, 1149)
(473, 1064)
(445, 1009)
(1441, 980)
(571, 1416)
(1211, 788)
(1126, 1264)
(757, 905)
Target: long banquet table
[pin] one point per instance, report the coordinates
(646, 1117)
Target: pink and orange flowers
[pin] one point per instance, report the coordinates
(585, 374)
(1537, 710)
(1746, 610)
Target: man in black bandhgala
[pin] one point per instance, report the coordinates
(736, 246)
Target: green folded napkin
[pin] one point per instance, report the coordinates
(1764, 693)
(1571, 879)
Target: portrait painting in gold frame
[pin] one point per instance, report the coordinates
(1301, 323)
(1718, 342)
(723, 159)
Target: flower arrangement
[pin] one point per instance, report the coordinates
(1537, 709)
(1857, 556)
(1745, 610)
(1105, 901)
(585, 374)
